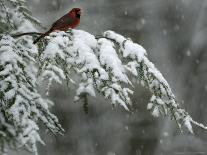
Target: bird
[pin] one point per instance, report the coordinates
(69, 20)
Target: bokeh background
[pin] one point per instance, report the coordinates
(174, 32)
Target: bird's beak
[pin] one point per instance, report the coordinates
(79, 12)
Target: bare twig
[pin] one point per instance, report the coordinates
(27, 33)
(100, 36)
(38, 33)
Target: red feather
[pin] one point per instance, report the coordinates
(69, 20)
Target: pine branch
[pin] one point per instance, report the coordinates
(103, 63)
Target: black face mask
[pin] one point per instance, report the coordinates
(77, 15)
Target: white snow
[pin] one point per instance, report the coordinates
(109, 58)
(187, 123)
(155, 112)
(53, 48)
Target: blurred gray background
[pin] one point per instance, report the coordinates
(174, 32)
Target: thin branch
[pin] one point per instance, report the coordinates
(198, 124)
(100, 36)
(27, 33)
(38, 33)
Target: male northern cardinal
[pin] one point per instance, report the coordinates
(70, 20)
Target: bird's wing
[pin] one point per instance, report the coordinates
(62, 22)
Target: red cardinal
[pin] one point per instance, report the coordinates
(70, 20)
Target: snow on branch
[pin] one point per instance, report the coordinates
(104, 64)
(21, 105)
(22, 108)
(15, 16)
(96, 62)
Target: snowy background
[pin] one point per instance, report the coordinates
(174, 33)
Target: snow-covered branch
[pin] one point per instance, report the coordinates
(104, 65)
(101, 64)
(21, 106)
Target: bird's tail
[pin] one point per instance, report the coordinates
(42, 36)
